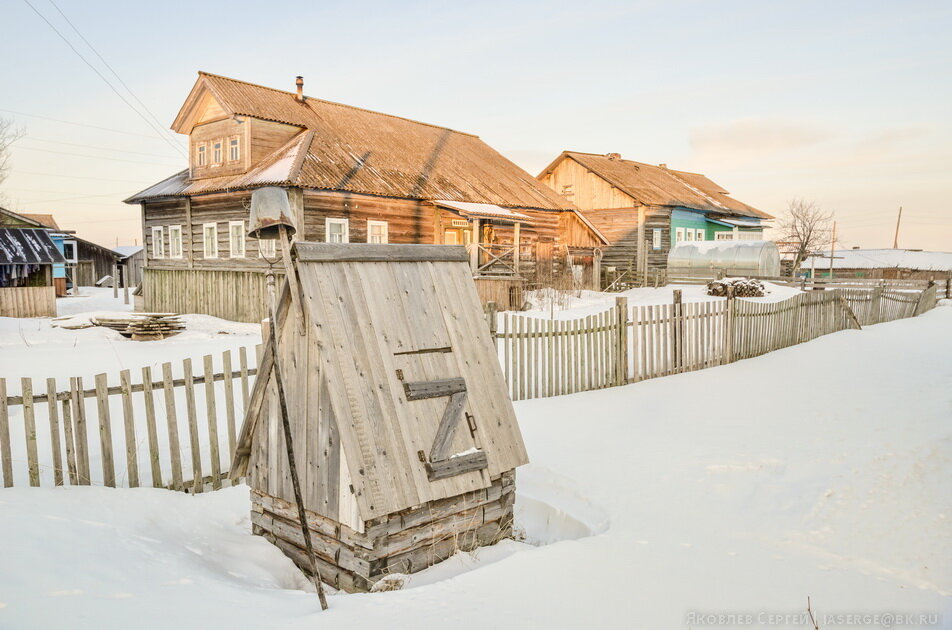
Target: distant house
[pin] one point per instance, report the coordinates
(352, 175)
(27, 258)
(877, 264)
(131, 262)
(644, 209)
(84, 262)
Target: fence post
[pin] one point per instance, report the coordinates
(877, 303)
(115, 281)
(5, 452)
(125, 284)
(678, 329)
(729, 328)
(491, 316)
(621, 321)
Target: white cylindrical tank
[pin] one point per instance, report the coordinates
(734, 258)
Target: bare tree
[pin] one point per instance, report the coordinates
(805, 229)
(8, 135)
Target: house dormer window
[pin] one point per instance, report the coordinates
(201, 154)
(234, 149)
(216, 152)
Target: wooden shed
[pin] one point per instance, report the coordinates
(405, 439)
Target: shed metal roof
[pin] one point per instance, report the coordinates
(486, 210)
(27, 246)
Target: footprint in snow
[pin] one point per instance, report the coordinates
(195, 550)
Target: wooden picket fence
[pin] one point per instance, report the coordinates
(166, 431)
(625, 344)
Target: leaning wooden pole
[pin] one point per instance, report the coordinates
(292, 466)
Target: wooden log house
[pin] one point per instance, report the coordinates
(353, 176)
(645, 209)
(405, 439)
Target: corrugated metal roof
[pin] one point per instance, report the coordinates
(660, 186)
(483, 210)
(362, 151)
(23, 246)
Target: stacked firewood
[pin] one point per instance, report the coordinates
(743, 287)
(143, 326)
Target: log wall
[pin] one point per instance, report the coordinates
(403, 542)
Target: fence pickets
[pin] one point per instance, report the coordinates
(547, 357)
(119, 455)
(540, 358)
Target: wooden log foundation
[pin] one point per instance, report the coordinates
(402, 542)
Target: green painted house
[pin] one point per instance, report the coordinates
(645, 209)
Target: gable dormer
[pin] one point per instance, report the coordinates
(222, 140)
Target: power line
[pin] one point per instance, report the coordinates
(93, 146)
(95, 157)
(106, 63)
(106, 81)
(77, 124)
(101, 179)
(75, 198)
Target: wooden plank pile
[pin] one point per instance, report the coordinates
(143, 326)
(743, 287)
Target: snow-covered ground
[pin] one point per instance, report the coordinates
(549, 304)
(37, 348)
(818, 470)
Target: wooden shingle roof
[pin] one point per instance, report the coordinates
(347, 148)
(657, 185)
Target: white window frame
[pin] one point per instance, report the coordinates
(218, 158)
(268, 248)
(386, 230)
(201, 154)
(724, 235)
(67, 245)
(173, 231)
(700, 234)
(158, 242)
(678, 235)
(237, 148)
(213, 253)
(656, 238)
(345, 233)
(238, 252)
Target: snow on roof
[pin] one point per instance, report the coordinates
(710, 246)
(883, 259)
(484, 210)
(127, 250)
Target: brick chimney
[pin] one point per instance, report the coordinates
(299, 82)
(664, 166)
(613, 156)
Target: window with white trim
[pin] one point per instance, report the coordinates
(656, 238)
(234, 149)
(175, 241)
(158, 242)
(678, 235)
(216, 151)
(689, 234)
(210, 240)
(377, 232)
(267, 247)
(724, 236)
(236, 239)
(201, 154)
(700, 234)
(336, 231)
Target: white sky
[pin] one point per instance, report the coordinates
(844, 103)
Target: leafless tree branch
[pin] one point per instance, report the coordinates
(805, 228)
(9, 134)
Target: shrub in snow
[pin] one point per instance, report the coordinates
(392, 582)
(743, 287)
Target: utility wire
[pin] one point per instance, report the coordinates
(105, 80)
(69, 122)
(101, 179)
(111, 69)
(75, 198)
(98, 148)
(94, 157)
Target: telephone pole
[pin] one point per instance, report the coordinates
(832, 249)
(896, 237)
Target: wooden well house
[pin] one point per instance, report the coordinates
(405, 440)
